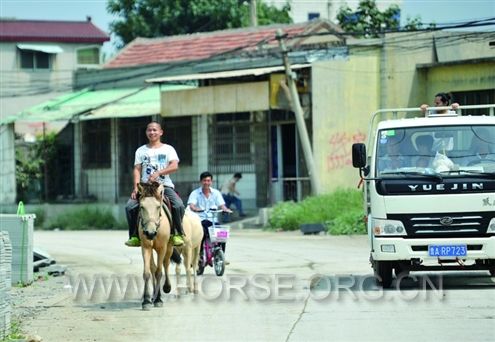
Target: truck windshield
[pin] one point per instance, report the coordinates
(446, 151)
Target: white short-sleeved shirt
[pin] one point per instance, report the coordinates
(198, 198)
(154, 159)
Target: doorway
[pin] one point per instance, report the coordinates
(288, 172)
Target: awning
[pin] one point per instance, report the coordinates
(96, 104)
(143, 103)
(41, 48)
(225, 74)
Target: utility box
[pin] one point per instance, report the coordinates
(5, 285)
(20, 229)
(312, 228)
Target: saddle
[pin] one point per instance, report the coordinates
(167, 207)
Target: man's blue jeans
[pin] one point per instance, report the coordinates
(236, 201)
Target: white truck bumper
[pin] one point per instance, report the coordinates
(406, 249)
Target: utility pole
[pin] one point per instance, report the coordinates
(298, 113)
(253, 13)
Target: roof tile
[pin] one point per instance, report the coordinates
(142, 51)
(51, 31)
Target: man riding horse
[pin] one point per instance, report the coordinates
(154, 162)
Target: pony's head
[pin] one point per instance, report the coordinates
(150, 208)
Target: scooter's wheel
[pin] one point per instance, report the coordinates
(201, 267)
(219, 262)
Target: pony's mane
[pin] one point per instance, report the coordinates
(149, 190)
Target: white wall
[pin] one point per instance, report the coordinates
(17, 81)
(7, 160)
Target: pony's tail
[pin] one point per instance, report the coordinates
(176, 257)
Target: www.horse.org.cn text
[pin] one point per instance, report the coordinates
(99, 288)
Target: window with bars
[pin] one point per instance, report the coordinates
(475, 97)
(231, 143)
(34, 60)
(96, 149)
(88, 56)
(178, 133)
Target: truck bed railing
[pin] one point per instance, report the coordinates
(404, 113)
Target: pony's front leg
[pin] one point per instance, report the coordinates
(177, 278)
(147, 255)
(194, 266)
(166, 262)
(188, 266)
(158, 277)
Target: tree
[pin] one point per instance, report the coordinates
(30, 163)
(369, 21)
(157, 18)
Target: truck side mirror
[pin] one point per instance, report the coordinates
(359, 155)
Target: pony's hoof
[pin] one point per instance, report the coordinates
(167, 288)
(147, 306)
(158, 304)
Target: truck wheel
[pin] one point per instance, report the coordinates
(383, 273)
(401, 271)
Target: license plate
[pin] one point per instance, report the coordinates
(447, 250)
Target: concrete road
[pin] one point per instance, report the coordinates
(278, 287)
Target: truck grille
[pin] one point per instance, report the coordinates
(445, 224)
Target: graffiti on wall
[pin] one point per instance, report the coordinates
(340, 149)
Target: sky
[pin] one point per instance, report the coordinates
(439, 11)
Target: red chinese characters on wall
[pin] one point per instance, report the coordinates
(340, 149)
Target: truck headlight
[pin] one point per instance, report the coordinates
(491, 226)
(388, 227)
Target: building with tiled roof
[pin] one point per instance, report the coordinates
(38, 60)
(12, 30)
(204, 45)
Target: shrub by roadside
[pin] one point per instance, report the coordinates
(341, 212)
(86, 218)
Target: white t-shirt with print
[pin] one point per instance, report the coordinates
(153, 159)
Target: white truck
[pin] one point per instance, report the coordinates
(429, 190)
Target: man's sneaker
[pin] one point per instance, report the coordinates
(133, 242)
(177, 240)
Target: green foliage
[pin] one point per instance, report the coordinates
(350, 222)
(369, 22)
(413, 24)
(15, 332)
(157, 18)
(30, 161)
(269, 14)
(341, 211)
(40, 217)
(86, 218)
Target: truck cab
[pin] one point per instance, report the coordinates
(429, 190)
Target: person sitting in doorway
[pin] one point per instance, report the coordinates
(231, 195)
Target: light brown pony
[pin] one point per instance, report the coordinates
(154, 233)
(193, 231)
